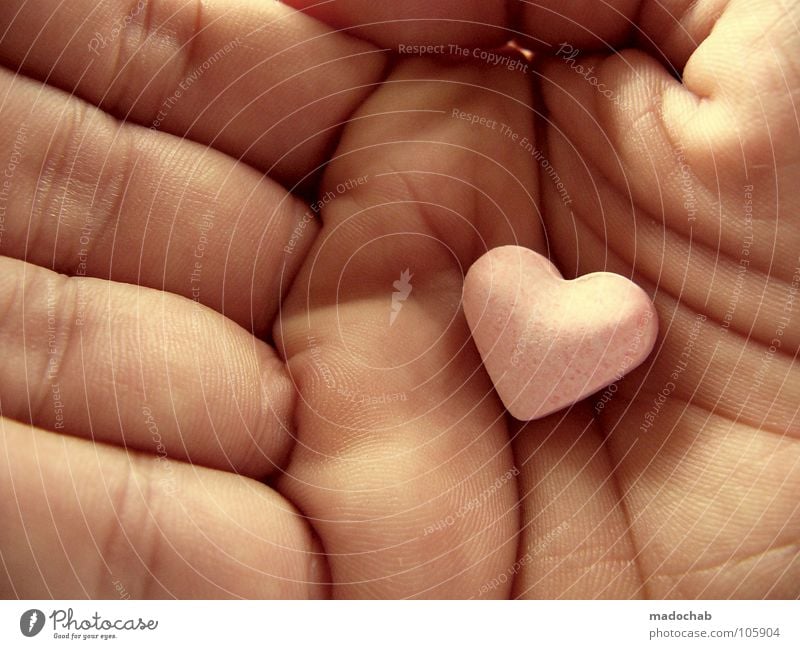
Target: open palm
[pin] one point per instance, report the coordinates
(259, 355)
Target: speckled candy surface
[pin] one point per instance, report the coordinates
(548, 342)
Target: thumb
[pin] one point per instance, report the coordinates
(402, 462)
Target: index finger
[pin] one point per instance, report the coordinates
(256, 80)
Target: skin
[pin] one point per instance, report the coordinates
(201, 393)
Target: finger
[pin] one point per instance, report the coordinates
(84, 520)
(256, 80)
(575, 529)
(142, 368)
(86, 195)
(419, 22)
(402, 463)
(671, 30)
(549, 24)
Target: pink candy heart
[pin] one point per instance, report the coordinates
(548, 342)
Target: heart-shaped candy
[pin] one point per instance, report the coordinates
(548, 342)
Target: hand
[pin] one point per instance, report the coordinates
(391, 468)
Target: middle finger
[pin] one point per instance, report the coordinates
(85, 194)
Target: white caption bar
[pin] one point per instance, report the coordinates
(400, 624)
